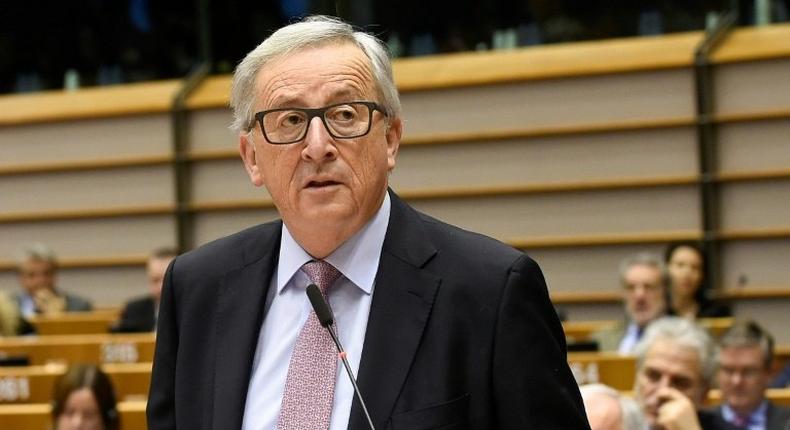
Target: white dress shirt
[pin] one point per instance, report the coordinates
(757, 420)
(630, 339)
(287, 308)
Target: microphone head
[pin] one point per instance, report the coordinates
(320, 306)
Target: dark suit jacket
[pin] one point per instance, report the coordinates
(139, 315)
(461, 334)
(777, 417)
(712, 420)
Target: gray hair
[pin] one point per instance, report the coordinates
(749, 334)
(644, 259)
(630, 412)
(37, 251)
(312, 31)
(681, 332)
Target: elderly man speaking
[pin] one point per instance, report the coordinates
(444, 328)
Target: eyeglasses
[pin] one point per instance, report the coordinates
(342, 121)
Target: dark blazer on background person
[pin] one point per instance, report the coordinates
(461, 334)
(776, 417)
(138, 315)
(712, 420)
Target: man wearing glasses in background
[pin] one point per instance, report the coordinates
(745, 355)
(444, 328)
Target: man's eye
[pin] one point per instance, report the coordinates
(292, 119)
(344, 115)
(653, 375)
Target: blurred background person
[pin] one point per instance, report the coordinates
(745, 357)
(675, 363)
(139, 314)
(690, 294)
(37, 270)
(643, 278)
(10, 318)
(607, 409)
(84, 399)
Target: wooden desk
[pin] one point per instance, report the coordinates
(780, 396)
(34, 384)
(581, 330)
(93, 322)
(86, 348)
(608, 368)
(37, 416)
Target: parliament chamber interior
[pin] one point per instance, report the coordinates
(579, 153)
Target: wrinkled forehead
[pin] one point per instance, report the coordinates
(671, 358)
(333, 66)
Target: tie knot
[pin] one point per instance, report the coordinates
(322, 273)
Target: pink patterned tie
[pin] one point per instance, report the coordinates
(310, 385)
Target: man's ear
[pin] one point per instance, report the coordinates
(393, 135)
(247, 152)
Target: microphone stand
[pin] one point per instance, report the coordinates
(342, 355)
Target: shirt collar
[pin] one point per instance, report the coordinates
(357, 258)
(757, 417)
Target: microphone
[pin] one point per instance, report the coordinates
(327, 319)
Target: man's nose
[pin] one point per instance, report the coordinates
(319, 145)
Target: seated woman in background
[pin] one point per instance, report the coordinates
(84, 399)
(689, 294)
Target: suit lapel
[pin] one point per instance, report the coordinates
(401, 306)
(240, 302)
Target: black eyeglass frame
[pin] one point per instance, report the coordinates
(317, 112)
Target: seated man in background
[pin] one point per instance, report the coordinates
(643, 278)
(607, 409)
(675, 363)
(139, 315)
(745, 356)
(37, 270)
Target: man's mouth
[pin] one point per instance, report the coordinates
(321, 184)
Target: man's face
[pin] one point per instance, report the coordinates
(156, 269)
(321, 183)
(36, 275)
(644, 294)
(668, 365)
(742, 377)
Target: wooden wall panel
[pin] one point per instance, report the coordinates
(105, 237)
(586, 269)
(94, 189)
(85, 140)
(756, 263)
(770, 313)
(752, 86)
(209, 130)
(214, 225)
(541, 160)
(591, 311)
(754, 145)
(223, 180)
(569, 214)
(551, 103)
(756, 205)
